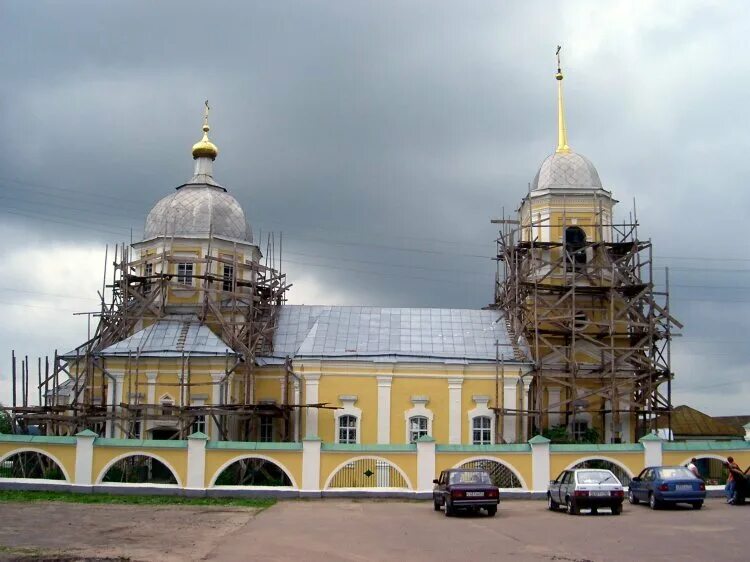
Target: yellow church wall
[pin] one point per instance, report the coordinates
(268, 387)
(174, 458)
(219, 459)
(364, 387)
(332, 461)
(518, 463)
(63, 455)
(402, 390)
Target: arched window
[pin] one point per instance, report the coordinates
(575, 247)
(347, 431)
(418, 427)
(481, 430)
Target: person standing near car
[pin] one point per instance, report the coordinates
(729, 488)
(693, 468)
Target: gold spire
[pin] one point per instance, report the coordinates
(204, 147)
(562, 130)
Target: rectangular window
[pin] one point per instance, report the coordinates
(417, 428)
(266, 429)
(347, 429)
(228, 275)
(482, 430)
(185, 273)
(580, 428)
(148, 270)
(199, 425)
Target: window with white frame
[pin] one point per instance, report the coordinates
(266, 429)
(481, 429)
(166, 402)
(347, 429)
(227, 278)
(148, 270)
(579, 430)
(418, 427)
(185, 273)
(199, 424)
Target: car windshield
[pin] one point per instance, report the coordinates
(676, 472)
(469, 477)
(596, 477)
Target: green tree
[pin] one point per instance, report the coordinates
(6, 425)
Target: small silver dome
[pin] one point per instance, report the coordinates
(566, 169)
(198, 209)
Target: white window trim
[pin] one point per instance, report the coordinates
(419, 409)
(348, 409)
(481, 410)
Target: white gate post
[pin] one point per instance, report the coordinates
(425, 463)
(540, 476)
(196, 465)
(652, 450)
(84, 457)
(311, 464)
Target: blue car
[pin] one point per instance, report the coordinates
(662, 485)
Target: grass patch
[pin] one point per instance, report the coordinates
(39, 496)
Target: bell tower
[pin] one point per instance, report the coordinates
(577, 286)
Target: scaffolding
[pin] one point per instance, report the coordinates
(596, 326)
(238, 300)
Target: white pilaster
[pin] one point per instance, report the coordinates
(509, 420)
(425, 463)
(652, 450)
(540, 469)
(150, 399)
(312, 382)
(84, 457)
(608, 422)
(216, 400)
(553, 397)
(523, 388)
(196, 469)
(114, 398)
(454, 410)
(384, 409)
(311, 465)
(297, 411)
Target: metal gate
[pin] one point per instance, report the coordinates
(617, 470)
(139, 469)
(368, 473)
(501, 475)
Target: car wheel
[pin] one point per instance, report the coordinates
(572, 507)
(616, 509)
(632, 499)
(436, 504)
(653, 502)
(552, 504)
(697, 505)
(448, 508)
(492, 510)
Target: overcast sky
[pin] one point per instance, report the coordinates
(380, 138)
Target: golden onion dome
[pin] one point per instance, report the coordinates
(204, 147)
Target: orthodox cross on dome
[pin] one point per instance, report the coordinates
(562, 130)
(208, 108)
(204, 148)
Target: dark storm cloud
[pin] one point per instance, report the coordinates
(381, 137)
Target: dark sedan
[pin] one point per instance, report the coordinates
(661, 485)
(460, 488)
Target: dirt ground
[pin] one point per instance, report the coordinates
(334, 530)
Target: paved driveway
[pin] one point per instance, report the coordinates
(334, 530)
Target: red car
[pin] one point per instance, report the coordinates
(461, 488)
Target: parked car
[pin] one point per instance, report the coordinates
(585, 488)
(660, 485)
(461, 488)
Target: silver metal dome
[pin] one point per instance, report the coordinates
(198, 209)
(566, 169)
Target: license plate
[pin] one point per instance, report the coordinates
(474, 494)
(683, 487)
(598, 493)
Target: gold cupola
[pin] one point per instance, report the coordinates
(204, 148)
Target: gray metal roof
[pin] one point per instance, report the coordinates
(171, 337)
(418, 334)
(566, 169)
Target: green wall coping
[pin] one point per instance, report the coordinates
(650, 437)
(371, 448)
(596, 448)
(705, 445)
(507, 448)
(48, 439)
(539, 439)
(253, 446)
(86, 433)
(141, 443)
